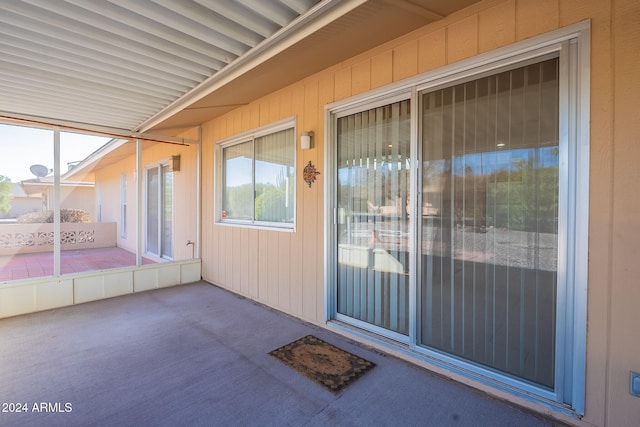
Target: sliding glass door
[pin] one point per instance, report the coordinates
(159, 218)
(373, 163)
(489, 221)
(458, 227)
(485, 220)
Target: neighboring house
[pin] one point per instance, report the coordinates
(73, 194)
(475, 208)
(22, 203)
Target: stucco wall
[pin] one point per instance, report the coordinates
(75, 198)
(285, 270)
(22, 205)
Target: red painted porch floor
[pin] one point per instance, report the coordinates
(26, 266)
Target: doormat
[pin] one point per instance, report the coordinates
(323, 363)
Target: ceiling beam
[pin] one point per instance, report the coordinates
(74, 127)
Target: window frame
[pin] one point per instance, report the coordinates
(251, 136)
(572, 45)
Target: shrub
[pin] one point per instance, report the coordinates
(32, 218)
(66, 215)
(73, 215)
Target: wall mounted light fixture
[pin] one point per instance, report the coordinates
(174, 163)
(306, 140)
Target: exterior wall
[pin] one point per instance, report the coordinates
(70, 198)
(620, 290)
(184, 221)
(285, 270)
(23, 205)
(74, 198)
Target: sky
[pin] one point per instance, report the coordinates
(21, 147)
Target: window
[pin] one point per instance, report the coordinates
(98, 202)
(123, 205)
(256, 176)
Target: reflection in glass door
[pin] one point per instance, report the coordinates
(159, 227)
(373, 159)
(489, 228)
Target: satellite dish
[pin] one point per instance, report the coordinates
(39, 170)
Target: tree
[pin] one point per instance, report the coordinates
(5, 194)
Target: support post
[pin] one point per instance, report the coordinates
(56, 203)
(199, 196)
(139, 210)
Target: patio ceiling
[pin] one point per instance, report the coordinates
(165, 65)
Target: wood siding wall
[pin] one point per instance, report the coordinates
(285, 270)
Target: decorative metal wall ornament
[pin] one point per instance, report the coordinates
(309, 174)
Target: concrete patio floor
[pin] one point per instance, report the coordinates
(196, 355)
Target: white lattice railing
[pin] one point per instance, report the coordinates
(29, 238)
